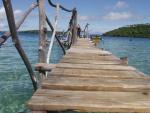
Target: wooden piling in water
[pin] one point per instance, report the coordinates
(42, 33)
(15, 39)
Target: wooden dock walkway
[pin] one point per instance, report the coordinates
(88, 79)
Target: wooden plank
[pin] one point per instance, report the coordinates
(89, 54)
(39, 112)
(83, 50)
(86, 101)
(96, 73)
(95, 67)
(84, 61)
(86, 47)
(91, 57)
(96, 84)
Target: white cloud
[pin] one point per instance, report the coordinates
(119, 16)
(2, 13)
(121, 4)
(86, 18)
(3, 20)
(18, 12)
(83, 18)
(1, 26)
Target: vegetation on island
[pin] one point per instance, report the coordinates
(34, 32)
(136, 30)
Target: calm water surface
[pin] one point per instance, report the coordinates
(15, 84)
(136, 49)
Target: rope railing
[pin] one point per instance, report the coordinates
(53, 35)
(51, 27)
(86, 30)
(43, 19)
(61, 7)
(71, 23)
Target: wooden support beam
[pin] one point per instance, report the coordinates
(15, 39)
(74, 24)
(42, 35)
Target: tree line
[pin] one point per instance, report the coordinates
(136, 30)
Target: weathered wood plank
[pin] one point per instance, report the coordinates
(86, 101)
(96, 73)
(96, 84)
(83, 50)
(86, 47)
(85, 54)
(39, 112)
(95, 67)
(84, 61)
(91, 57)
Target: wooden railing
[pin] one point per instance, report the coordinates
(43, 19)
(86, 31)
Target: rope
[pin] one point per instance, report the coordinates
(53, 35)
(60, 6)
(51, 27)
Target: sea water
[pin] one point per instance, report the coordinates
(15, 84)
(136, 49)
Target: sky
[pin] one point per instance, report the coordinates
(102, 15)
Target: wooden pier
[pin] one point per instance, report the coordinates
(88, 79)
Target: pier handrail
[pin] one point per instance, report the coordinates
(63, 8)
(51, 27)
(86, 30)
(43, 19)
(53, 35)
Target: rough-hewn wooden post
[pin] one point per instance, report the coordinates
(75, 25)
(15, 39)
(74, 32)
(42, 32)
(86, 31)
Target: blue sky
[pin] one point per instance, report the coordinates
(102, 15)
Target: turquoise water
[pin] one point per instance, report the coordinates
(136, 49)
(15, 84)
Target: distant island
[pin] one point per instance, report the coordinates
(136, 30)
(34, 32)
(26, 31)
